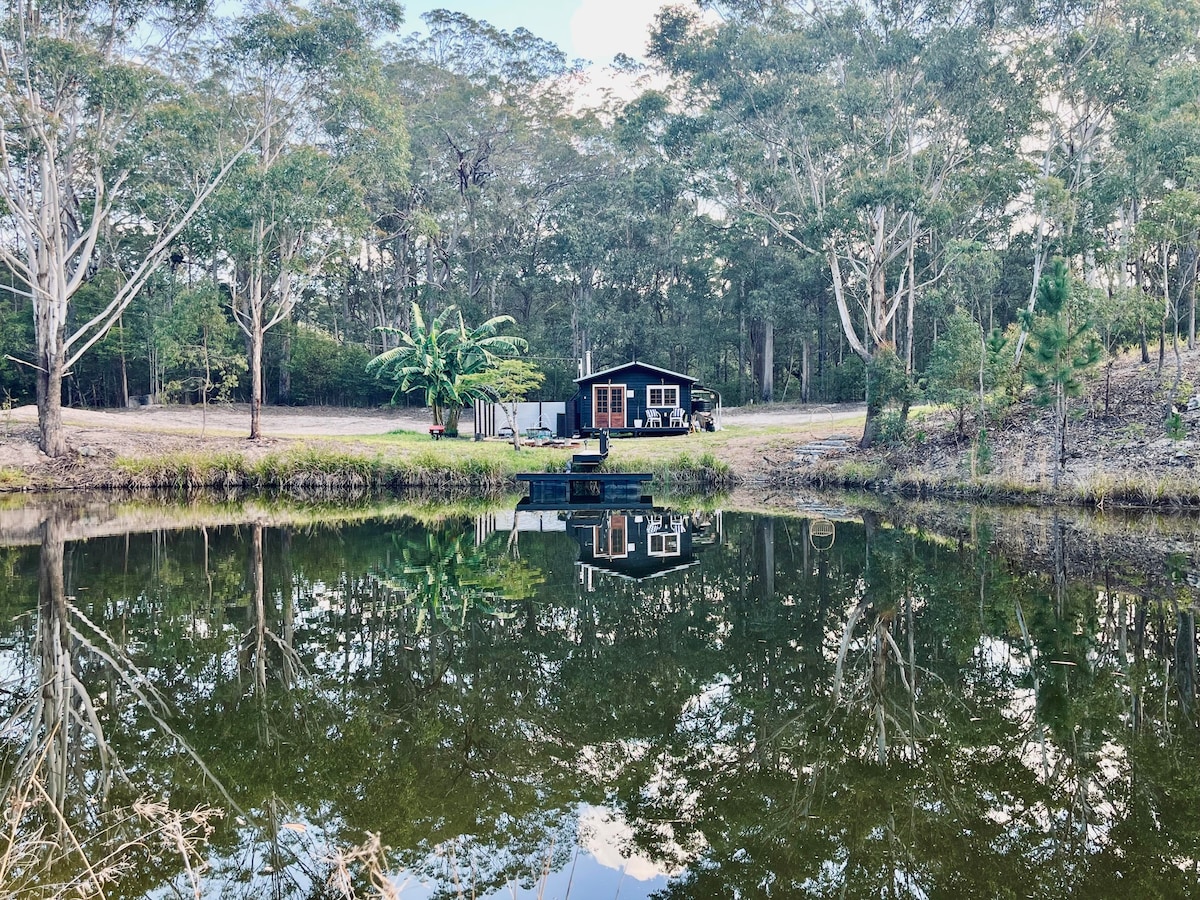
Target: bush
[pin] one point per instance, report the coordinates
(16, 337)
(325, 372)
(846, 382)
(982, 453)
(892, 428)
(1176, 430)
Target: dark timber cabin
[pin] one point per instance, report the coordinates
(634, 398)
(634, 544)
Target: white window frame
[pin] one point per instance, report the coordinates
(664, 543)
(666, 389)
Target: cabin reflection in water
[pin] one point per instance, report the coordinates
(637, 544)
(629, 543)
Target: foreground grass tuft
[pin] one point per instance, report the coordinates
(1135, 489)
(13, 479)
(704, 469)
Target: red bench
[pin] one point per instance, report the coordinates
(436, 431)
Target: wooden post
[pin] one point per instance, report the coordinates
(805, 373)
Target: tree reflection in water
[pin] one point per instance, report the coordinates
(895, 715)
(62, 836)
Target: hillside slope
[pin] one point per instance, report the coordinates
(1120, 444)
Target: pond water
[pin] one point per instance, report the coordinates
(643, 703)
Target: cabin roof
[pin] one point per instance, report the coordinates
(667, 373)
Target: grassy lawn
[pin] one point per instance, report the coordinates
(645, 454)
(412, 458)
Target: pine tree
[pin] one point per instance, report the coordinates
(1062, 351)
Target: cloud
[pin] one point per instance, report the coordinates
(600, 29)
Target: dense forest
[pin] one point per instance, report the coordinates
(798, 201)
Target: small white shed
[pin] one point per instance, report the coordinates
(491, 418)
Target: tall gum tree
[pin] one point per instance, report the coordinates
(858, 131)
(1096, 67)
(309, 79)
(487, 111)
(80, 101)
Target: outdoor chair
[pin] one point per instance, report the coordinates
(677, 417)
(653, 418)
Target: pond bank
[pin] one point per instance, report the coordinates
(1132, 441)
(395, 462)
(1120, 451)
(405, 462)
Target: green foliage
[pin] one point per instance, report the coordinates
(446, 361)
(981, 453)
(887, 382)
(1121, 315)
(327, 372)
(1176, 429)
(893, 428)
(509, 381)
(456, 167)
(845, 382)
(16, 337)
(200, 348)
(1062, 350)
(954, 372)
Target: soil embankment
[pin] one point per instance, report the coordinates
(1124, 446)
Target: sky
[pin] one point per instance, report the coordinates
(594, 30)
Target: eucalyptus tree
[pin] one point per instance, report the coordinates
(92, 120)
(1165, 137)
(630, 241)
(308, 78)
(484, 108)
(1170, 223)
(1097, 65)
(860, 132)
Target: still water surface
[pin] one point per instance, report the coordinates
(626, 704)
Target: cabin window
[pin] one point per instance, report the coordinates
(666, 395)
(664, 543)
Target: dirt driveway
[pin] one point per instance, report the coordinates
(234, 420)
(317, 421)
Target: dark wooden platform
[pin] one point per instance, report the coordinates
(525, 504)
(663, 431)
(573, 489)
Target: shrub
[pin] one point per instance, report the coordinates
(892, 428)
(1176, 430)
(981, 454)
